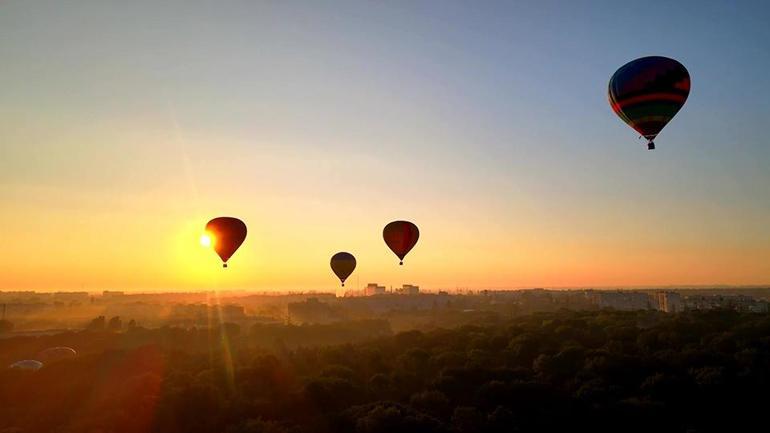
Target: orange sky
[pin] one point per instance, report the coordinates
(149, 242)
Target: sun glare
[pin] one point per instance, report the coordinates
(205, 240)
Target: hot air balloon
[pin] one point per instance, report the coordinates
(400, 236)
(53, 354)
(343, 265)
(646, 93)
(227, 235)
(27, 364)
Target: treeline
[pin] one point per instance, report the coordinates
(563, 371)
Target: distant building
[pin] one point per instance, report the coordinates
(536, 299)
(409, 289)
(233, 312)
(71, 297)
(201, 314)
(725, 302)
(670, 302)
(620, 300)
(374, 289)
(310, 311)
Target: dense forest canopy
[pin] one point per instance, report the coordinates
(557, 371)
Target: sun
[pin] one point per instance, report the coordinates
(205, 240)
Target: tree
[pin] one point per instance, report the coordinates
(231, 330)
(5, 326)
(256, 426)
(432, 402)
(97, 324)
(501, 420)
(115, 324)
(387, 417)
(466, 419)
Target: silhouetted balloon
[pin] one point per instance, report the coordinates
(27, 364)
(401, 236)
(56, 353)
(343, 265)
(647, 92)
(227, 234)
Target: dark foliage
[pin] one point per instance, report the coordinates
(565, 371)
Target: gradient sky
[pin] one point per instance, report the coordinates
(126, 125)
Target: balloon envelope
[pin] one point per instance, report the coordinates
(646, 93)
(401, 236)
(27, 364)
(343, 265)
(228, 234)
(56, 353)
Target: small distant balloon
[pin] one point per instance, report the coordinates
(648, 92)
(401, 237)
(53, 354)
(343, 265)
(225, 234)
(27, 364)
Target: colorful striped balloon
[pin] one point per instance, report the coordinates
(648, 92)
